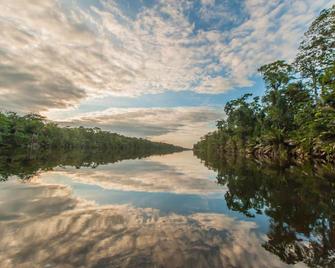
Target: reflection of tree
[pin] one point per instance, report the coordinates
(299, 200)
(26, 165)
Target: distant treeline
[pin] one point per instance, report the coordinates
(32, 131)
(25, 164)
(296, 116)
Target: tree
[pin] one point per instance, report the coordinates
(316, 51)
(240, 118)
(277, 76)
(328, 87)
(32, 131)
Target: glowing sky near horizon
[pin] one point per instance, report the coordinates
(150, 68)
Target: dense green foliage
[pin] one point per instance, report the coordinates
(297, 199)
(34, 132)
(296, 115)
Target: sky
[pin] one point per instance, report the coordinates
(158, 69)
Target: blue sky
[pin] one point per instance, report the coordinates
(151, 68)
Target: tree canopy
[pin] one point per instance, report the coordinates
(32, 131)
(296, 115)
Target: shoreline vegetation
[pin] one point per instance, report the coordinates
(25, 165)
(295, 119)
(33, 133)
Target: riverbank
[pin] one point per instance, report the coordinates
(295, 117)
(272, 153)
(291, 152)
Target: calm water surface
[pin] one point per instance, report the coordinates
(164, 211)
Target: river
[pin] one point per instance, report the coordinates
(171, 210)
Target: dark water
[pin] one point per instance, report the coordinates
(82, 210)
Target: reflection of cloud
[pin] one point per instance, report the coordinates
(175, 125)
(122, 236)
(39, 200)
(177, 173)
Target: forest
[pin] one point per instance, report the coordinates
(295, 118)
(33, 132)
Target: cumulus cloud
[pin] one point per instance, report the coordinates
(56, 53)
(181, 125)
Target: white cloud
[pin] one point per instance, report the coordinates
(273, 31)
(56, 53)
(208, 2)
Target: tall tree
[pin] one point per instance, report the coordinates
(328, 87)
(276, 75)
(317, 50)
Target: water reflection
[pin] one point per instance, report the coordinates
(298, 200)
(79, 209)
(26, 165)
(82, 234)
(153, 174)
